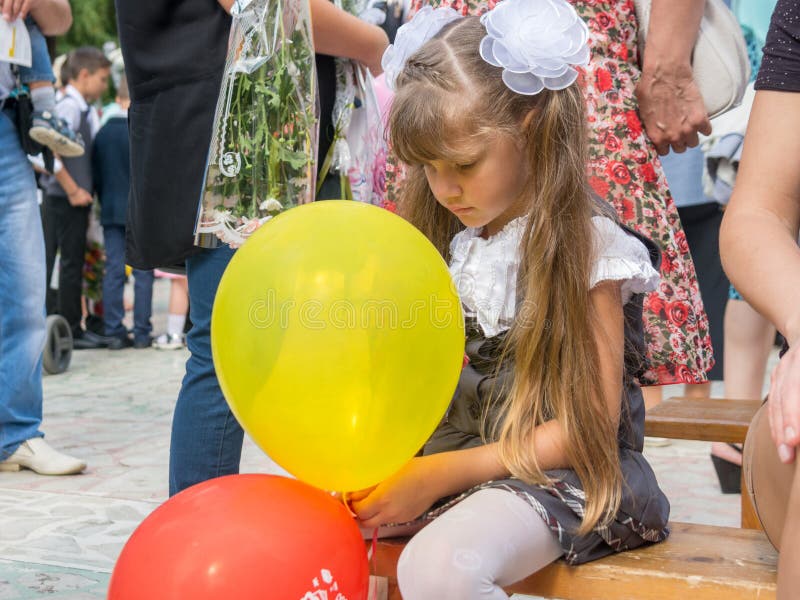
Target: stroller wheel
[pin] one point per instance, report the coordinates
(58, 347)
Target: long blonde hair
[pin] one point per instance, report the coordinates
(447, 95)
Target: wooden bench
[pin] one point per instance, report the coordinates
(706, 420)
(698, 561)
(701, 562)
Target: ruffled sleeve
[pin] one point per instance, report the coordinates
(621, 257)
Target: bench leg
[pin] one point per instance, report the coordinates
(749, 517)
(379, 588)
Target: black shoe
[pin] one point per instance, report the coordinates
(119, 342)
(87, 340)
(145, 342)
(728, 473)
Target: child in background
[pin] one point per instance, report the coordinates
(174, 338)
(111, 171)
(47, 128)
(540, 454)
(68, 193)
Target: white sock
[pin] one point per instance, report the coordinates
(44, 98)
(175, 324)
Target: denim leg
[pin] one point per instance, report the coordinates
(114, 280)
(22, 321)
(142, 303)
(206, 438)
(40, 69)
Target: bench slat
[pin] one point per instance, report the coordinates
(703, 562)
(705, 420)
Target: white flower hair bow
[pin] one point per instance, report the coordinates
(535, 42)
(411, 36)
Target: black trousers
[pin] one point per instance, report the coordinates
(701, 224)
(65, 231)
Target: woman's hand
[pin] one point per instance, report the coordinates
(671, 107)
(670, 104)
(402, 497)
(16, 9)
(784, 404)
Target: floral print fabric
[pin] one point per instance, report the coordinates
(624, 169)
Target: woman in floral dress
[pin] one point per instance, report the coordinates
(624, 168)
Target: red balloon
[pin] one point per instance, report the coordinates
(244, 537)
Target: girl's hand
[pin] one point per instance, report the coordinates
(784, 404)
(401, 498)
(671, 107)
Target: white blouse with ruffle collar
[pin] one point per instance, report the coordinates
(485, 270)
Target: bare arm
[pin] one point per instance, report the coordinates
(423, 480)
(54, 17)
(758, 245)
(76, 195)
(670, 103)
(758, 239)
(338, 33)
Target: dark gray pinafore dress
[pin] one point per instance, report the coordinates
(644, 511)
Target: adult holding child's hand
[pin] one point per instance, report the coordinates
(670, 104)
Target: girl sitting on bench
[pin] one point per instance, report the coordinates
(539, 456)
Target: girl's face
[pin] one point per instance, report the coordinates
(484, 187)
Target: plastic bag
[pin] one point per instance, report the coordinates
(358, 152)
(262, 158)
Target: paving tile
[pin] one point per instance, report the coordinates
(22, 581)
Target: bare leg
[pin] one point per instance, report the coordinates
(774, 488)
(178, 296)
(769, 482)
(748, 342)
(697, 390)
(652, 396)
(789, 561)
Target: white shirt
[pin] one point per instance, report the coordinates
(485, 270)
(70, 108)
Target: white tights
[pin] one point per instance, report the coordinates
(491, 539)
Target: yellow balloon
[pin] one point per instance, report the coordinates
(338, 340)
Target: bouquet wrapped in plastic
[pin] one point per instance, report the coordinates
(358, 152)
(262, 158)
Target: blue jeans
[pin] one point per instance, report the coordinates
(22, 287)
(114, 287)
(206, 438)
(40, 69)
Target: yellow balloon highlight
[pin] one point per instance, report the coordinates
(338, 339)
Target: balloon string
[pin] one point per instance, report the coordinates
(372, 547)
